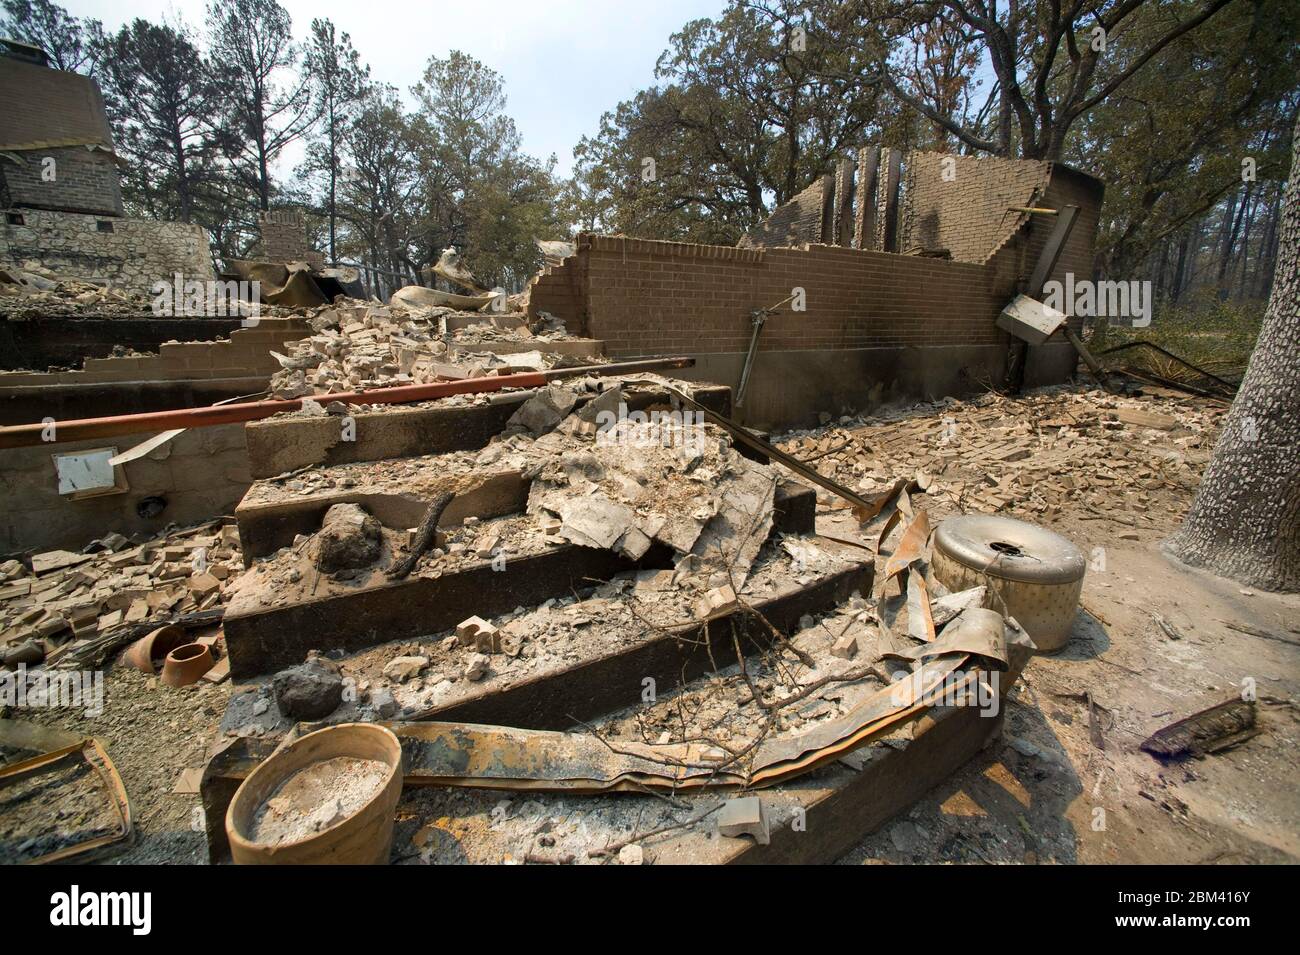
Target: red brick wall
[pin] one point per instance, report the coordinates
(646, 297)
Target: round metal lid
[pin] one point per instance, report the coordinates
(1010, 549)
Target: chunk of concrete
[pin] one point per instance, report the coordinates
(846, 647)
(544, 410)
(349, 539)
(477, 668)
(402, 669)
(950, 606)
(478, 633)
(631, 854)
(201, 585)
(28, 651)
(384, 702)
(595, 521)
(714, 600)
(746, 816)
(486, 546)
(600, 412)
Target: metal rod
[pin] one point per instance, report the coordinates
(866, 509)
(760, 317)
(1143, 343)
(31, 435)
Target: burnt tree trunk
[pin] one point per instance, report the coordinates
(1245, 521)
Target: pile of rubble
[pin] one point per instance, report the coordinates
(666, 483)
(115, 589)
(708, 513)
(624, 488)
(1048, 452)
(508, 327)
(404, 679)
(33, 290)
(357, 345)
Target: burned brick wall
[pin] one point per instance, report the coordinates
(55, 141)
(1069, 187)
(910, 314)
(961, 204)
(284, 238)
(561, 292)
(131, 254)
(963, 208)
(802, 219)
(68, 179)
(246, 353)
(182, 374)
(648, 297)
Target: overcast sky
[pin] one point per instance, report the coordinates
(564, 62)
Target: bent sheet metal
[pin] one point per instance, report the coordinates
(497, 757)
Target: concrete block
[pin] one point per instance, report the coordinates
(746, 816)
(846, 647)
(480, 634)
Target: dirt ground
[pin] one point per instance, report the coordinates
(1045, 792)
(1048, 794)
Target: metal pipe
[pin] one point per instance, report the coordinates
(760, 316)
(31, 435)
(864, 509)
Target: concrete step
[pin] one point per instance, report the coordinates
(279, 445)
(271, 515)
(840, 805)
(272, 626)
(572, 690)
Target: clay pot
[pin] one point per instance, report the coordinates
(363, 838)
(155, 646)
(186, 664)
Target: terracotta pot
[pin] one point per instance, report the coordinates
(155, 646)
(363, 838)
(186, 664)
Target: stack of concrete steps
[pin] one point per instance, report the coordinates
(267, 631)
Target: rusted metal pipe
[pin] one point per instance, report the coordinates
(83, 429)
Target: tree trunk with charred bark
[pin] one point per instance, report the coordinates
(1245, 521)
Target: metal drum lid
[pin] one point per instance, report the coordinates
(1010, 549)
